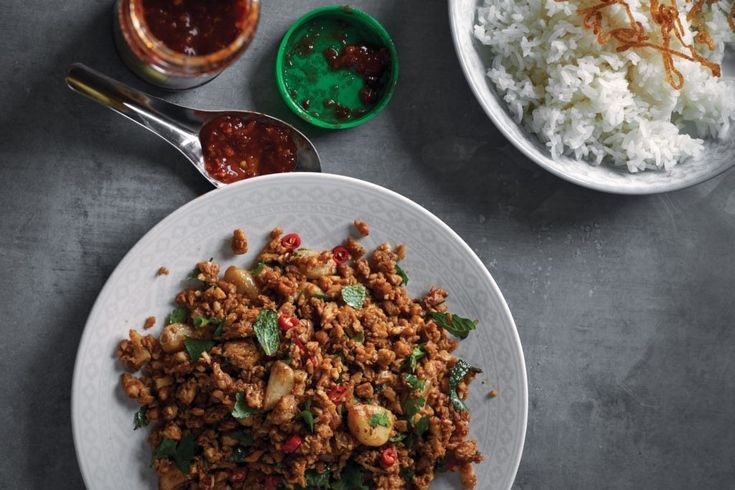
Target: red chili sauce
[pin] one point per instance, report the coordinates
(235, 148)
(368, 61)
(195, 27)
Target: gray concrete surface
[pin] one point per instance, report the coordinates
(624, 305)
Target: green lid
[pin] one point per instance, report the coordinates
(334, 98)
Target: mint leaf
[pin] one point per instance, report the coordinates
(195, 347)
(266, 330)
(414, 382)
(380, 418)
(402, 273)
(307, 416)
(454, 324)
(416, 355)
(140, 419)
(242, 410)
(178, 315)
(354, 295)
(456, 375)
(166, 448)
(185, 453)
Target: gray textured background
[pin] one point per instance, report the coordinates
(624, 305)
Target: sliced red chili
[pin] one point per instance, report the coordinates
(340, 254)
(291, 241)
(388, 457)
(291, 444)
(271, 482)
(336, 393)
(300, 344)
(238, 475)
(286, 322)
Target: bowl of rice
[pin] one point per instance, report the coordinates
(620, 96)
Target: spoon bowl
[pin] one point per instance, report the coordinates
(178, 125)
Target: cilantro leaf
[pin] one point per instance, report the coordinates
(412, 406)
(140, 418)
(458, 326)
(407, 473)
(242, 410)
(398, 437)
(354, 295)
(185, 453)
(307, 416)
(402, 273)
(258, 267)
(200, 321)
(416, 354)
(456, 375)
(194, 274)
(350, 478)
(166, 448)
(422, 425)
(195, 347)
(315, 479)
(178, 315)
(380, 418)
(414, 382)
(266, 330)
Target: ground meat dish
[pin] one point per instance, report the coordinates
(313, 369)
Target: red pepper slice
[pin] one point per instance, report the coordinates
(336, 393)
(303, 349)
(291, 241)
(388, 457)
(238, 475)
(286, 322)
(271, 482)
(340, 254)
(291, 444)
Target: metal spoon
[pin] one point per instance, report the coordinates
(176, 124)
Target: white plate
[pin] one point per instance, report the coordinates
(321, 209)
(474, 58)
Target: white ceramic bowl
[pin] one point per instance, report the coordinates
(473, 56)
(321, 209)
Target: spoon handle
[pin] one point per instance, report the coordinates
(172, 123)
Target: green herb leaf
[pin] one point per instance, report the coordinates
(258, 267)
(140, 419)
(380, 418)
(402, 273)
(242, 436)
(359, 337)
(242, 410)
(416, 355)
(195, 347)
(412, 406)
(220, 328)
(422, 425)
(185, 453)
(458, 326)
(414, 382)
(315, 479)
(407, 474)
(456, 375)
(354, 295)
(350, 478)
(307, 416)
(238, 454)
(199, 321)
(194, 273)
(166, 448)
(178, 315)
(377, 387)
(441, 465)
(398, 437)
(266, 330)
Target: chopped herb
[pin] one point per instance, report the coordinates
(182, 453)
(407, 473)
(315, 479)
(456, 375)
(266, 330)
(194, 274)
(422, 425)
(258, 267)
(398, 437)
(350, 478)
(307, 416)
(244, 437)
(319, 296)
(220, 328)
(402, 273)
(458, 326)
(359, 337)
(354, 295)
(178, 315)
(200, 321)
(242, 410)
(140, 419)
(414, 381)
(238, 454)
(380, 418)
(412, 406)
(416, 354)
(195, 347)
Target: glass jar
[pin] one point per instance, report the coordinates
(153, 61)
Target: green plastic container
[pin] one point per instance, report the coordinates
(308, 84)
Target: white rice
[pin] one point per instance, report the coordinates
(587, 101)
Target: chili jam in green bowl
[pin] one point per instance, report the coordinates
(337, 67)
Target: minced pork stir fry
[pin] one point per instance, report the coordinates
(313, 370)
